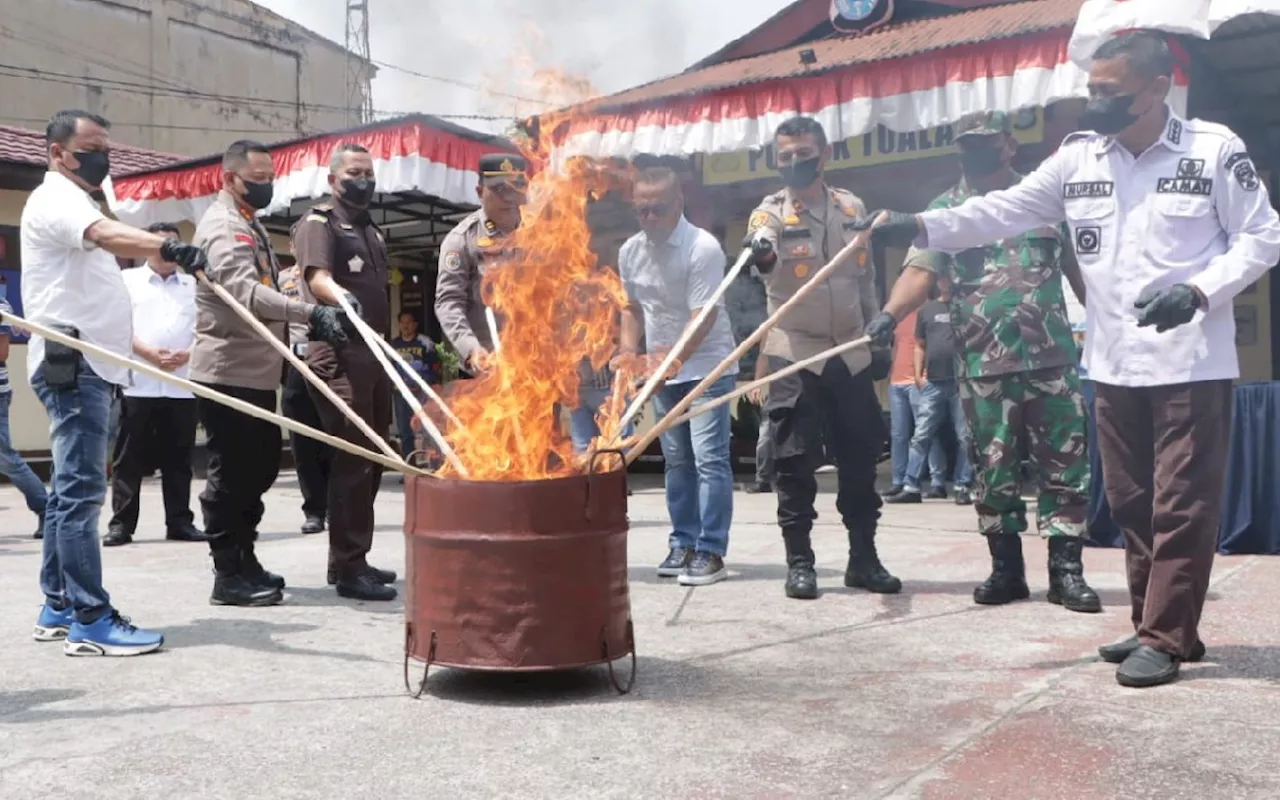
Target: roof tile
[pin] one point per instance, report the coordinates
(23, 146)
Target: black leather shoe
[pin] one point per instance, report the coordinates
(802, 582)
(364, 587)
(1067, 586)
(1008, 579)
(963, 497)
(1147, 667)
(892, 491)
(186, 533)
(904, 496)
(1117, 652)
(383, 576)
(237, 590)
(937, 493)
(115, 537)
(39, 532)
(313, 525)
(253, 570)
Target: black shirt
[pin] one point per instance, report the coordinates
(933, 327)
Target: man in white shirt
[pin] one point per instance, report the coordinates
(1170, 222)
(72, 283)
(158, 423)
(670, 271)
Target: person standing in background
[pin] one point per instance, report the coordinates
(419, 352)
(311, 459)
(904, 408)
(11, 464)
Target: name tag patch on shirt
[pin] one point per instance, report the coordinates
(356, 263)
(1242, 168)
(801, 251)
(1200, 186)
(1088, 189)
(1089, 240)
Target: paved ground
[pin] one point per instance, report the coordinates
(741, 693)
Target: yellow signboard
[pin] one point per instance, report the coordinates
(874, 149)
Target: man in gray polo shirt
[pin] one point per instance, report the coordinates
(671, 270)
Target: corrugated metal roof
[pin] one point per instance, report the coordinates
(27, 147)
(894, 41)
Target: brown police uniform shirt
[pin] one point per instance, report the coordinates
(227, 349)
(290, 286)
(470, 250)
(353, 250)
(834, 312)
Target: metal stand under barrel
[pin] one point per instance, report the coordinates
(519, 576)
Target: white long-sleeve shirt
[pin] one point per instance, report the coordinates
(164, 316)
(1190, 209)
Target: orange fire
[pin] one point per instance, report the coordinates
(556, 307)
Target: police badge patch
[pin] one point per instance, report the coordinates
(453, 261)
(1088, 240)
(758, 221)
(1246, 174)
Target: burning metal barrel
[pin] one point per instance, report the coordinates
(517, 576)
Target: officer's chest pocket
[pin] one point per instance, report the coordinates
(1093, 227)
(1174, 220)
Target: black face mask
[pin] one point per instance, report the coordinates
(358, 192)
(94, 167)
(258, 195)
(801, 174)
(1109, 115)
(983, 161)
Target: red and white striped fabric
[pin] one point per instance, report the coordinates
(409, 154)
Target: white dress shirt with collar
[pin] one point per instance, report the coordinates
(164, 316)
(68, 280)
(1190, 209)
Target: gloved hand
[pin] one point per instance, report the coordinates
(1167, 308)
(880, 329)
(329, 324)
(191, 258)
(896, 230)
(762, 254)
(355, 304)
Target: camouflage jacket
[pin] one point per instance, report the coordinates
(1007, 304)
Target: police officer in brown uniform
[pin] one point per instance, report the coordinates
(341, 252)
(311, 459)
(793, 233)
(478, 243)
(231, 357)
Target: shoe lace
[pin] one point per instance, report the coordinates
(122, 622)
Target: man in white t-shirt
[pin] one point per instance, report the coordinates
(72, 283)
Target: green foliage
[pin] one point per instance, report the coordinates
(450, 363)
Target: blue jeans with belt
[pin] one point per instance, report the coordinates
(71, 572)
(699, 470)
(14, 468)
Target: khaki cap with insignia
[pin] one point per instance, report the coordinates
(503, 168)
(983, 123)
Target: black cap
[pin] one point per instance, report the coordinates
(503, 167)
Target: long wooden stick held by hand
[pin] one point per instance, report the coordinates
(859, 243)
(395, 356)
(283, 349)
(248, 409)
(369, 335)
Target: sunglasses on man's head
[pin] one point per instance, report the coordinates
(652, 211)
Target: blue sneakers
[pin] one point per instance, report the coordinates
(52, 625)
(110, 635)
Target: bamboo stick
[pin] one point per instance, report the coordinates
(249, 409)
(423, 385)
(297, 363)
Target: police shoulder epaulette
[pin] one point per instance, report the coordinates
(1077, 136)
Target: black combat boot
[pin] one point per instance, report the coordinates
(1008, 581)
(232, 588)
(802, 578)
(865, 570)
(255, 572)
(1066, 576)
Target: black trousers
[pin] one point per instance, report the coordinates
(803, 409)
(155, 433)
(311, 459)
(244, 460)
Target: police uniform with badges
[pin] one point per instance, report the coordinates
(346, 243)
(311, 459)
(835, 399)
(477, 245)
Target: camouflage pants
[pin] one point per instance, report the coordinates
(1043, 411)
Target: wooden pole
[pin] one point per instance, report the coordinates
(423, 385)
(199, 390)
(300, 365)
(859, 243)
(369, 335)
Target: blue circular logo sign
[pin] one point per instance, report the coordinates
(855, 10)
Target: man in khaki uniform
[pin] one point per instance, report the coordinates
(471, 249)
(793, 233)
(230, 356)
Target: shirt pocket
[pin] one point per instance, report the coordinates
(1173, 221)
(1093, 228)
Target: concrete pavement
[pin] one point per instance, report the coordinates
(741, 692)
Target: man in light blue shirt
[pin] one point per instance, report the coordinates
(671, 270)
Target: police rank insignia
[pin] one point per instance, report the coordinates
(801, 251)
(453, 261)
(849, 211)
(356, 264)
(791, 219)
(801, 271)
(484, 242)
(862, 259)
(758, 221)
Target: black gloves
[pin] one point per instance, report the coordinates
(897, 230)
(329, 324)
(762, 255)
(1167, 308)
(191, 258)
(355, 306)
(880, 329)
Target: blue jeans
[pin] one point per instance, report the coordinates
(404, 426)
(904, 405)
(937, 399)
(14, 468)
(582, 420)
(78, 421)
(699, 473)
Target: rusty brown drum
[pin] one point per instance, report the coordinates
(518, 576)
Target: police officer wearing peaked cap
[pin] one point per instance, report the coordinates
(471, 249)
(793, 233)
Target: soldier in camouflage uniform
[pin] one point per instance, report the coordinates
(1018, 380)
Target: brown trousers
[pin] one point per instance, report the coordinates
(1164, 454)
(357, 378)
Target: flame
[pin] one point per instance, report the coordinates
(557, 307)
